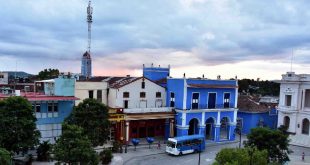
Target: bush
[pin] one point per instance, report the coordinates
(5, 156)
(116, 146)
(106, 156)
(43, 151)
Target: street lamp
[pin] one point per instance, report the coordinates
(199, 153)
(238, 131)
(126, 145)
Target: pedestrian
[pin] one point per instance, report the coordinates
(303, 156)
(158, 145)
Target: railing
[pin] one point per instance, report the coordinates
(216, 106)
(287, 108)
(147, 110)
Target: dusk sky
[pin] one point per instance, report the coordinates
(247, 38)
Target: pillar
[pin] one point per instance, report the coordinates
(127, 131)
(202, 129)
(217, 133)
(232, 127)
(171, 128)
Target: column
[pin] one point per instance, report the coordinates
(202, 129)
(127, 131)
(232, 127)
(217, 133)
(171, 128)
(182, 131)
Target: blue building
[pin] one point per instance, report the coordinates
(86, 69)
(204, 106)
(52, 103)
(254, 113)
(157, 74)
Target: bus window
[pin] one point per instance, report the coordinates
(171, 144)
(179, 145)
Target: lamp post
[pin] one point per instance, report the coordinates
(126, 141)
(238, 131)
(199, 154)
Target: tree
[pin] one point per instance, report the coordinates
(48, 74)
(43, 151)
(74, 147)
(241, 156)
(92, 116)
(106, 156)
(17, 125)
(275, 142)
(5, 156)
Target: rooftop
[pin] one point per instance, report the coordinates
(251, 104)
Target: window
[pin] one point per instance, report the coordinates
(38, 108)
(142, 94)
(143, 85)
(195, 100)
(158, 94)
(172, 99)
(226, 100)
(125, 103)
(288, 100)
(126, 95)
(99, 95)
(1, 76)
(211, 100)
(91, 94)
(50, 107)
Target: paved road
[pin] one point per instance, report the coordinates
(207, 157)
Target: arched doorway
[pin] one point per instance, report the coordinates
(286, 122)
(305, 126)
(210, 128)
(224, 130)
(193, 127)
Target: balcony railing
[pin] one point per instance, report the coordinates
(147, 110)
(216, 106)
(287, 108)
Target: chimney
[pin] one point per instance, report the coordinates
(218, 77)
(127, 75)
(183, 75)
(203, 76)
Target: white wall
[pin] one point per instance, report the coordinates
(5, 79)
(82, 88)
(134, 90)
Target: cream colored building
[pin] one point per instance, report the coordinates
(91, 89)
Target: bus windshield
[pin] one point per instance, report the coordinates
(171, 144)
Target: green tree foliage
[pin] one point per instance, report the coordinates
(275, 142)
(74, 147)
(241, 156)
(259, 87)
(106, 156)
(92, 116)
(5, 156)
(43, 151)
(48, 74)
(17, 125)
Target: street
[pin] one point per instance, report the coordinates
(153, 156)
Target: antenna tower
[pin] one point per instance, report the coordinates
(89, 21)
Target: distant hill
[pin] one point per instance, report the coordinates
(19, 74)
(263, 88)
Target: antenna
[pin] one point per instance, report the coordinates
(89, 21)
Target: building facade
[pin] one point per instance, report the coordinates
(204, 106)
(256, 112)
(140, 109)
(86, 67)
(294, 105)
(91, 89)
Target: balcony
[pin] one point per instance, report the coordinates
(216, 106)
(287, 108)
(148, 110)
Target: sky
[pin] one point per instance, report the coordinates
(243, 38)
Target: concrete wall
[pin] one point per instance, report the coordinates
(134, 99)
(64, 86)
(4, 78)
(82, 88)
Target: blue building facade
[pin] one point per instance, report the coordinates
(249, 120)
(52, 107)
(157, 74)
(253, 113)
(203, 106)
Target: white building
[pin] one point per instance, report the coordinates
(294, 106)
(4, 78)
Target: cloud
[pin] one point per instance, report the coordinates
(126, 34)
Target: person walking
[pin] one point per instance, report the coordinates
(158, 145)
(303, 156)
